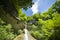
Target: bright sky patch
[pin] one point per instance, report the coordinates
(35, 7)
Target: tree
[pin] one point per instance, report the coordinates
(25, 4)
(56, 20)
(55, 7)
(6, 31)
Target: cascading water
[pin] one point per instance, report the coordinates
(26, 34)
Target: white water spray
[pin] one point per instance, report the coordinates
(26, 34)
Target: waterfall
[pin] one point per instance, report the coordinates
(26, 34)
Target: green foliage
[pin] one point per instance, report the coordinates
(34, 28)
(13, 7)
(55, 7)
(48, 24)
(56, 20)
(17, 3)
(22, 16)
(25, 4)
(40, 22)
(20, 31)
(6, 31)
(36, 16)
(45, 26)
(35, 34)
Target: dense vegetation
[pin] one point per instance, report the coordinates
(6, 31)
(12, 17)
(42, 26)
(46, 26)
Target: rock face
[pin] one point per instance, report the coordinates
(19, 37)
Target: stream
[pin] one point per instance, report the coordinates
(26, 34)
